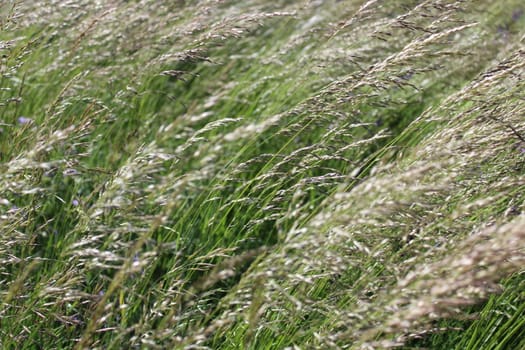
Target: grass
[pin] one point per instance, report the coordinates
(262, 175)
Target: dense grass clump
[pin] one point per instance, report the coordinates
(262, 174)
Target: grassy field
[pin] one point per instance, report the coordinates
(258, 174)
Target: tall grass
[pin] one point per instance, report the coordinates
(262, 175)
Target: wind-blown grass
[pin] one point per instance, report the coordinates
(262, 175)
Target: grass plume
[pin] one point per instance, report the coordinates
(262, 175)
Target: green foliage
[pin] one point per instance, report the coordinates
(262, 175)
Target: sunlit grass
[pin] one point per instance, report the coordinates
(262, 175)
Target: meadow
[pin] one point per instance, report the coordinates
(288, 174)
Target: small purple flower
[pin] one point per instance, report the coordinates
(24, 120)
(75, 319)
(516, 15)
(70, 172)
(75, 202)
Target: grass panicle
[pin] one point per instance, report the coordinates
(262, 175)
